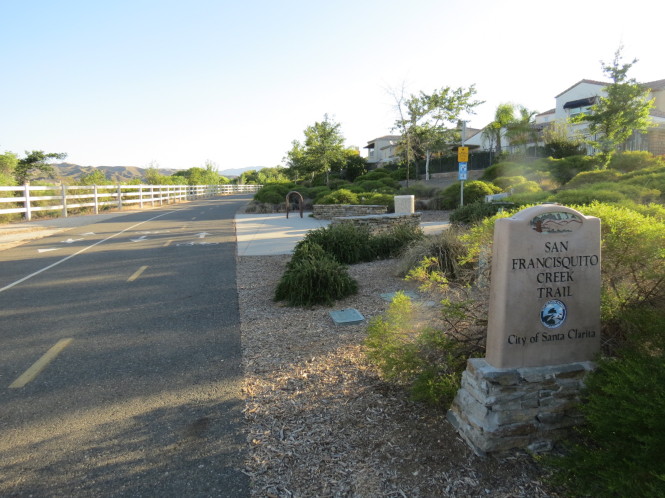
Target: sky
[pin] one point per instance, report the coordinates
(179, 83)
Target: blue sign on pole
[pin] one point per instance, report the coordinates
(462, 171)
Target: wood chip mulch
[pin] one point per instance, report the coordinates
(320, 421)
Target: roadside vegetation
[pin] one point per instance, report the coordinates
(427, 359)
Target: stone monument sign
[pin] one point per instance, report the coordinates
(543, 331)
(544, 289)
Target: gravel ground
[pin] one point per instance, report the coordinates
(320, 421)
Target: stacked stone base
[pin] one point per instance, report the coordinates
(381, 223)
(330, 211)
(499, 409)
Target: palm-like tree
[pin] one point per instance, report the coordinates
(493, 132)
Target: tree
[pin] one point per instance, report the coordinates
(615, 117)
(95, 177)
(321, 153)
(560, 142)
(428, 121)
(296, 160)
(521, 131)
(493, 132)
(8, 163)
(35, 161)
(324, 147)
(355, 165)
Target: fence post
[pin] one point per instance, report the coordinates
(26, 203)
(96, 196)
(141, 196)
(63, 187)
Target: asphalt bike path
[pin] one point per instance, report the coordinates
(120, 366)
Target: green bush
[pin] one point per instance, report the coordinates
(337, 183)
(607, 192)
(426, 360)
(312, 192)
(588, 177)
(314, 277)
(341, 196)
(274, 193)
(503, 170)
(505, 182)
(390, 244)
(621, 448)
(528, 187)
(473, 213)
(474, 191)
(565, 169)
(374, 199)
(345, 242)
(634, 160)
(372, 185)
(530, 198)
(373, 175)
(390, 182)
(653, 178)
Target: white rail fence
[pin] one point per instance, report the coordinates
(28, 199)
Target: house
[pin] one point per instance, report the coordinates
(382, 150)
(578, 99)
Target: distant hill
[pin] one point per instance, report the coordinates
(231, 172)
(70, 173)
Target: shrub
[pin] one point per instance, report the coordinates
(587, 177)
(505, 182)
(528, 198)
(371, 185)
(607, 192)
(313, 192)
(399, 174)
(633, 261)
(390, 182)
(563, 170)
(345, 242)
(376, 174)
(390, 244)
(374, 198)
(314, 277)
(341, 196)
(620, 451)
(473, 213)
(274, 193)
(649, 178)
(428, 361)
(527, 187)
(473, 191)
(634, 160)
(336, 183)
(504, 169)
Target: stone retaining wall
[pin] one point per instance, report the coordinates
(381, 223)
(498, 409)
(330, 211)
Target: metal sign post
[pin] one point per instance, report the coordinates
(462, 159)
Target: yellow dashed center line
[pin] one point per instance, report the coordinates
(137, 274)
(40, 364)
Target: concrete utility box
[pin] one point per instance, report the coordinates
(405, 204)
